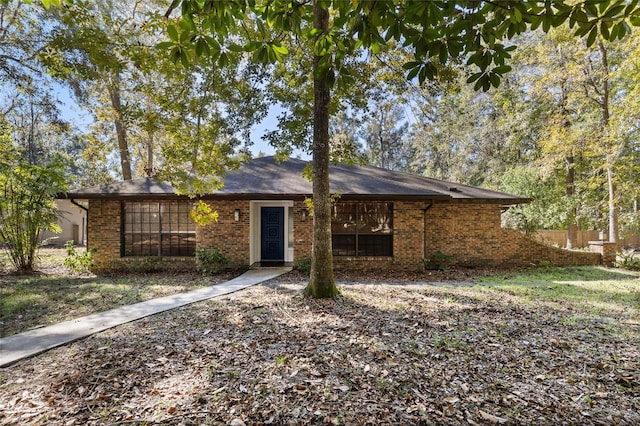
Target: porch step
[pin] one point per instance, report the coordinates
(271, 264)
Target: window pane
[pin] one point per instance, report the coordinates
(144, 245)
(178, 245)
(362, 229)
(375, 218)
(343, 245)
(290, 227)
(375, 245)
(343, 218)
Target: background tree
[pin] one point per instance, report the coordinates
(90, 51)
(385, 134)
(581, 97)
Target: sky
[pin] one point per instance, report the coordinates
(82, 119)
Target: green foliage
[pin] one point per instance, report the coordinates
(78, 261)
(211, 260)
(435, 32)
(545, 263)
(628, 260)
(303, 264)
(308, 203)
(437, 261)
(203, 214)
(546, 209)
(27, 204)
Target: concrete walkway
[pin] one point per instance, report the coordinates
(23, 345)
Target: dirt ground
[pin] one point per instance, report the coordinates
(389, 350)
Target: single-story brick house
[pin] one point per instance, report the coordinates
(382, 220)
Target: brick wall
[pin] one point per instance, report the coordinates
(302, 230)
(231, 237)
(472, 234)
(104, 235)
(103, 231)
(519, 249)
(468, 231)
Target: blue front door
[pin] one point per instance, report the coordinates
(272, 234)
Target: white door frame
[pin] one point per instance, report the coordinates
(255, 207)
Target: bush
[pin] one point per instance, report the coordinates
(303, 264)
(628, 260)
(437, 261)
(27, 204)
(76, 261)
(211, 260)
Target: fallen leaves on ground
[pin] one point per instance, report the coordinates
(389, 353)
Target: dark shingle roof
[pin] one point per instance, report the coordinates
(265, 178)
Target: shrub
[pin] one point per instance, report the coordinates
(628, 260)
(437, 261)
(27, 204)
(211, 260)
(76, 261)
(303, 264)
(543, 263)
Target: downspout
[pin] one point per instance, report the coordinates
(84, 222)
(424, 230)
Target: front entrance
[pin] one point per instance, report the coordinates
(272, 234)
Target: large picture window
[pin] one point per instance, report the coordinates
(362, 229)
(152, 228)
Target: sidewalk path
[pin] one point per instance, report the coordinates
(23, 345)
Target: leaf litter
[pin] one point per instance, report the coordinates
(389, 353)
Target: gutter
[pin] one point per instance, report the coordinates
(85, 220)
(75, 203)
(424, 229)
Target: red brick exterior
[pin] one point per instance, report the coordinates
(472, 234)
(103, 232)
(302, 230)
(469, 232)
(605, 249)
(231, 237)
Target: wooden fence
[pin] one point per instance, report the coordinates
(559, 238)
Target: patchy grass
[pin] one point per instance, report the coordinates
(598, 292)
(392, 352)
(55, 295)
(48, 258)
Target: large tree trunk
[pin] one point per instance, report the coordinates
(321, 282)
(121, 130)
